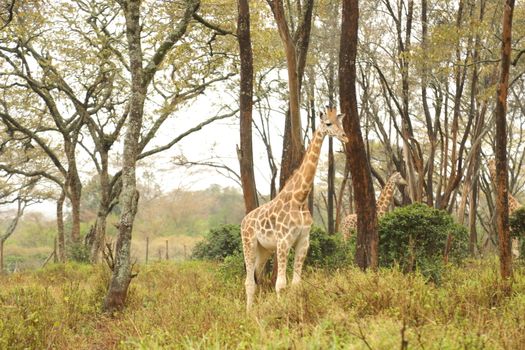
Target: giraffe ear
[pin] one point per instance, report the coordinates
(340, 117)
(322, 116)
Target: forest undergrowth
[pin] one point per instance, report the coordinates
(196, 305)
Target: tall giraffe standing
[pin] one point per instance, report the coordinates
(285, 221)
(383, 202)
(513, 206)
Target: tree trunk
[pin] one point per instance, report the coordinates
(340, 203)
(331, 162)
(292, 143)
(140, 79)
(296, 49)
(122, 274)
(367, 238)
(331, 187)
(74, 191)
(502, 199)
(60, 227)
(97, 244)
(245, 152)
(473, 207)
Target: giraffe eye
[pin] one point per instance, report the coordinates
(328, 124)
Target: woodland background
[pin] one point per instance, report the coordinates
(103, 105)
(426, 85)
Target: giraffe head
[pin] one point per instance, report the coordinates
(398, 179)
(331, 124)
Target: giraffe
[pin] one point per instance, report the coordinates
(285, 221)
(514, 205)
(383, 202)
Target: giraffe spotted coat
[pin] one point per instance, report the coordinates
(285, 221)
(383, 202)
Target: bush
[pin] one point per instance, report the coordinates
(517, 228)
(232, 267)
(224, 244)
(79, 252)
(415, 237)
(328, 251)
(220, 242)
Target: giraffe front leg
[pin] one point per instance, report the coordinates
(281, 255)
(301, 248)
(249, 260)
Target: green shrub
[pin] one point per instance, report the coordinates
(232, 267)
(517, 228)
(79, 252)
(328, 251)
(415, 237)
(220, 242)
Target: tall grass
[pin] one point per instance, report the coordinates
(193, 305)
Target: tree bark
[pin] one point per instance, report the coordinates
(331, 162)
(121, 277)
(293, 148)
(502, 199)
(245, 153)
(60, 227)
(296, 49)
(74, 193)
(97, 245)
(473, 207)
(331, 187)
(141, 77)
(367, 237)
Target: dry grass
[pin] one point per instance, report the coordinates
(192, 305)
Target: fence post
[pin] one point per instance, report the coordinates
(167, 254)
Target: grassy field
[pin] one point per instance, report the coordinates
(197, 305)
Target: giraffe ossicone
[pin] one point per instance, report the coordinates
(383, 202)
(285, 221)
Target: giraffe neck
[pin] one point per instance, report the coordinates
(300, 184)
(385, 197)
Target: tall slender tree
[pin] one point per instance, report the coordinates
(365, 204)
(502, 199)
(245, 152)
(296, 48)
(141, 77)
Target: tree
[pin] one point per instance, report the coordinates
(367, 236)
(502, 199)
(141, 77)
(245, 152)
(21, 196)
(7, 10)
(296, 48)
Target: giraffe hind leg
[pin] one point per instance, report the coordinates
(301, 249)
(260, 261)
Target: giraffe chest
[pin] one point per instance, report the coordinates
(283, 226)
